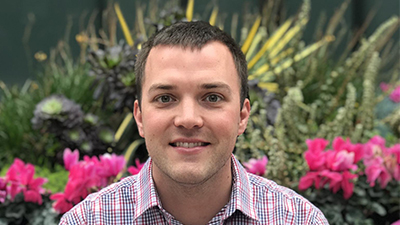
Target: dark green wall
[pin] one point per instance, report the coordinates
(51, 18)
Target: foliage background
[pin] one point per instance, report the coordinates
(51, 19)
(306, 91)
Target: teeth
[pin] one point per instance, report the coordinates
(188, 145)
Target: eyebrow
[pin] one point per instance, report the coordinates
(155, 87)
(214, 85)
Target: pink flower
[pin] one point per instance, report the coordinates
(395, 95)
(135, 170)
(396, 223)
(86, 176)
(3, 183)
(378, 140)
(381, 163)
(332, 166)
(61, 204)
(3, 190)
(347, 184)
(257, 167)
(395, 150)
(74, 192)
(376, 171)
(3, 195)
(90, 171)
(70, 158)
(339, 144)
(20, 177)
(309, 179)
(384, 86)
(13, 189)
(393, 161)
(112, 164)
(315, 155)
(333, 178)
(340, 160)
(32, 196)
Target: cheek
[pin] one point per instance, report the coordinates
(227, 122)
(154, 122)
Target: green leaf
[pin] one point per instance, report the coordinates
(3, 221)
(359, 191)
(378, 208)
(363, 201)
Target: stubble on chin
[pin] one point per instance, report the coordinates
(191, 178)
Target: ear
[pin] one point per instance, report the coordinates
(244, 116)
(137, 113)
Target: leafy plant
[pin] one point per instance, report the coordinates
(20, 212)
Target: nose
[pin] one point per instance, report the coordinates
(188, 115)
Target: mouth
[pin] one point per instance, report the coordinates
(188, 144)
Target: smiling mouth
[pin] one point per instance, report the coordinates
(188, 145)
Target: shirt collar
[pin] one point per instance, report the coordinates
(146, 195)
(242, 197)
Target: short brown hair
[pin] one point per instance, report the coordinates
(193, 35)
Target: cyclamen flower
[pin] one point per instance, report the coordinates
(333, 166)
(382, 164)
(256, 166)
(377, 172)
(70, 158)
(74, 192)
(393, 162)
(396, 223)
(135, 170)
(3, 195)
(112, 164)
(395, 95)
(20, 177)
(3, 188)
(311, 178)
(340, 145)
(85, 177)
(315, 156)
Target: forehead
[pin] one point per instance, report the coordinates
(213, 61)
(213, 52)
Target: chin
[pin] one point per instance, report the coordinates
(190, 177)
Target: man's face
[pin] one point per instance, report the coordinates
(190, 113)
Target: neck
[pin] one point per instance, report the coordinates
(198, 203)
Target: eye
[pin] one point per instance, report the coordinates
(213, 98)
(164, 99)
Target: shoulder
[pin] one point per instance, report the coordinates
(269, 187)
(281, 202)
(122, 192)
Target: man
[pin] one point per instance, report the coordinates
(192, 104)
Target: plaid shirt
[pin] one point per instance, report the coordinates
(254, 200)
